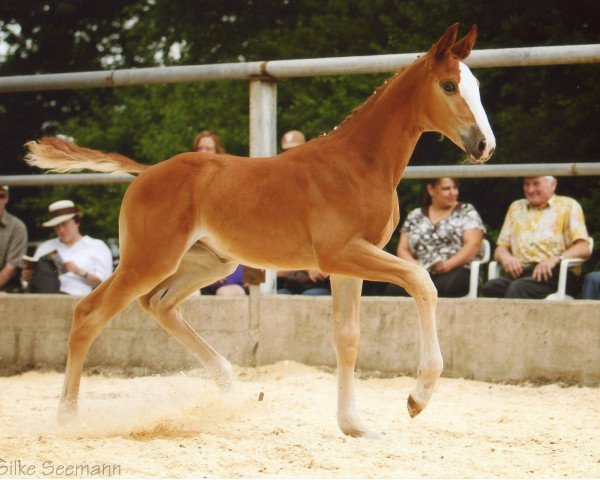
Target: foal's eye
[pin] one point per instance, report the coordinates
(449, 87)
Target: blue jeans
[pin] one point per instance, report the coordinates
(308, 291)
(591, 286)
(316, 291)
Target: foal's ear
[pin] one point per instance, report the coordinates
(463, 47)
(442, 46)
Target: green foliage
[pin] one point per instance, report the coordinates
(539, 114)
(153, 123)
(317, 105)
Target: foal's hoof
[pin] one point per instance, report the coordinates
(372, 435)
(414, 408)
(225, 378)
(363, 433)
(355, 428)
(66, 416)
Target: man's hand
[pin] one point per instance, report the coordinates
(27, 274)
(316, 275)
(512, 266)
(543, 270)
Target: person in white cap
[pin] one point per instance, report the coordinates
(87, 261)
(13, 245)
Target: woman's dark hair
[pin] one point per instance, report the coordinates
(434, 182)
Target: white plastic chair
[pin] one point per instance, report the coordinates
(475, 266)
(565, 264)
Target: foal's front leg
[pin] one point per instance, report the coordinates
(346, 332)
(362, 259)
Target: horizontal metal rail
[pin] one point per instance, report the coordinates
(457, 171)
(511, 170)
(45, 180)
(503, 57)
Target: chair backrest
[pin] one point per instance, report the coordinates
(485, 250)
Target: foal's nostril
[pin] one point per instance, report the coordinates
(481, 146)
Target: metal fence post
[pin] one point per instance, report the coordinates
(263, 138)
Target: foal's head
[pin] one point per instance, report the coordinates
(452, 104)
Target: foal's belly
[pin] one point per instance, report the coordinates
(266, 251)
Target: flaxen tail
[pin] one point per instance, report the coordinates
(58, 155)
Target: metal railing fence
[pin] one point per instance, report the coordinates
(421, 172)
(263, 99)
(276, 69)
(262, 77)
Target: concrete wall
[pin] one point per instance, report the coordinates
(484, 339)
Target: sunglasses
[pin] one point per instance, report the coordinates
(3, 195)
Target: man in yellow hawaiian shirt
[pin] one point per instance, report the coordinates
(538, 232)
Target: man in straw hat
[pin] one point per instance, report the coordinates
(13, 245)
(86, 261)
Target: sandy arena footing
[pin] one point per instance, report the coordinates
(181, 426)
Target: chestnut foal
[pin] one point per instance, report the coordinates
(330, 203)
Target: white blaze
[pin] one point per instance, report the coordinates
(469, 91)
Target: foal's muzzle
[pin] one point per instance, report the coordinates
(477, 145)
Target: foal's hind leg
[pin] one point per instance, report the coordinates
(90, 317)
(198, 268)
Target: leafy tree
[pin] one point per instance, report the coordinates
(539, 114)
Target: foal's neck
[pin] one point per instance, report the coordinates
(385, 130)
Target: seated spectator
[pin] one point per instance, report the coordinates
(591, 286)
(208, 141)
(305, 282)
(82, 262)
(537, 233)
(230, 286)
(292, 139)
(443, 236)
(13, 245)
